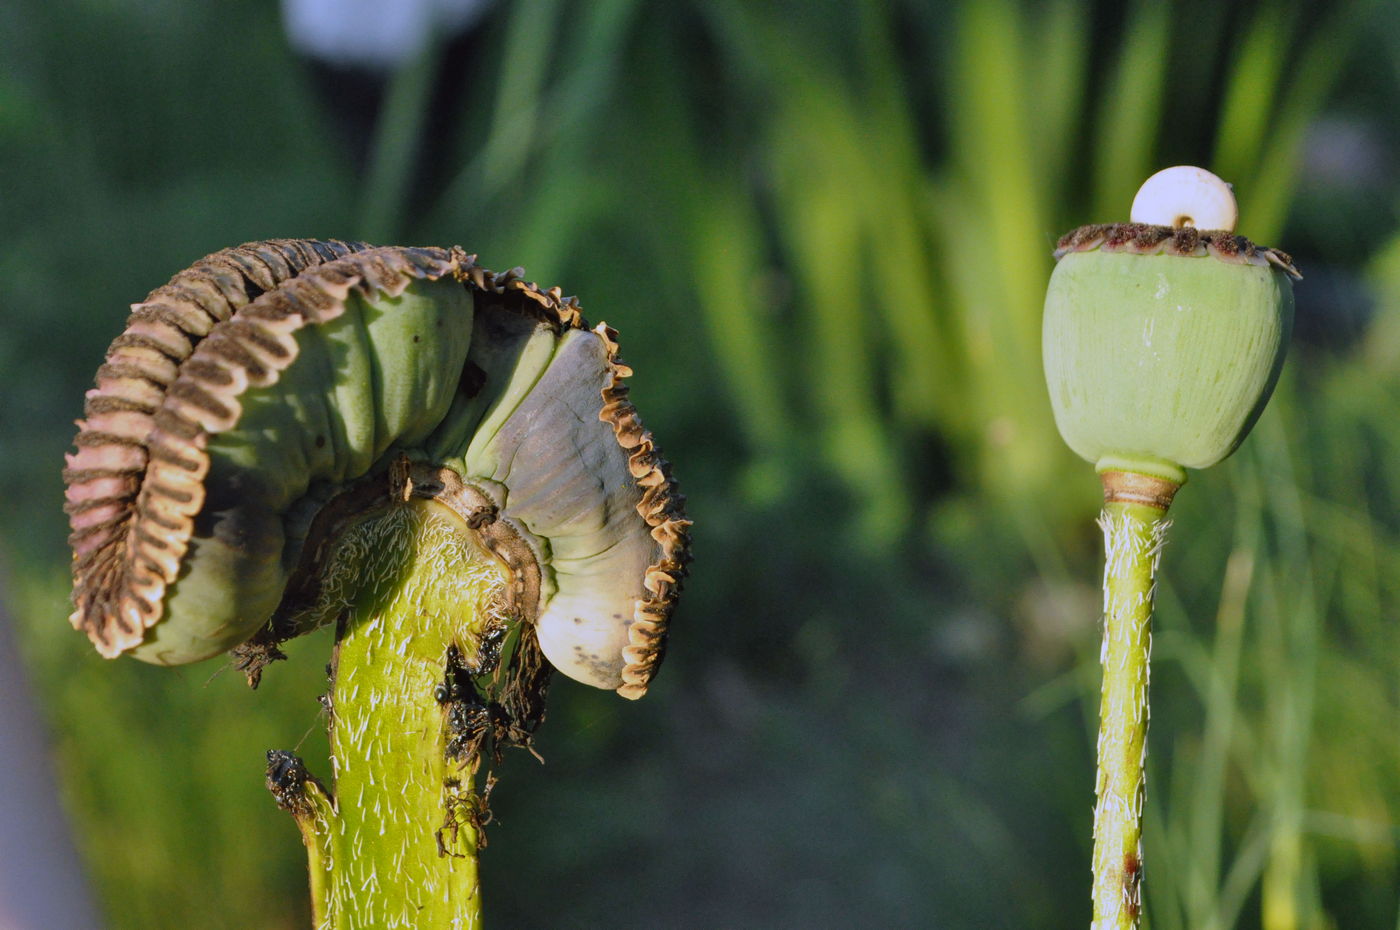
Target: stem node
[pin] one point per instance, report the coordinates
(1130, 487)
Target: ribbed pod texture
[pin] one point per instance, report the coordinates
(1162, 359)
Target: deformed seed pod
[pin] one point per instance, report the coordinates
(1162, 341)
(273, 390)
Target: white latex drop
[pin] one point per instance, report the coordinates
(1185, 196)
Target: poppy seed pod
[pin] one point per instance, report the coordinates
(272, 391)
(1162, 343)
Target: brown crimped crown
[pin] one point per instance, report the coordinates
(1188, 242)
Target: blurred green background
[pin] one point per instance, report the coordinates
(824, 231)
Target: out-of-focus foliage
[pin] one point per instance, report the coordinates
(824, 232)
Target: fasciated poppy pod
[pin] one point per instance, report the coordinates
(274, 391)
(1163, 343)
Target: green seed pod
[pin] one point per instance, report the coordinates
(1163, 342)
(273, 392)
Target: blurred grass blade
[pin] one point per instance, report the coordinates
(1249, 96)
(1057, 91)
(1130, 111)
(1290, 608)
(729, 281)
(997, 246)
(924, 380)
(1207, 806)
(540, 123)
(1265, 199)
(524, 69)
(822, 224)
(397, 135)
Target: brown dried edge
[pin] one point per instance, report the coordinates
(105, 475)
(663, 508)
(1188, 242)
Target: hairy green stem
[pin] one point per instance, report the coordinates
(1133, 537)
(396, 846)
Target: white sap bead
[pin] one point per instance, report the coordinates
(1185, 196)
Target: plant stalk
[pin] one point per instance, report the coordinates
(1134, 532)
(396, 843)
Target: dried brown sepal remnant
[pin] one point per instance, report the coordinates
(252, 657)
(522, 699)
(1144, 239)
(136, 481)
(489, 709)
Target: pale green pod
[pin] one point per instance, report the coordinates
(1162, 346)
(263, 400)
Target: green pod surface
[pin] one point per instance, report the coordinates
(256, 397)
(1162, 358)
